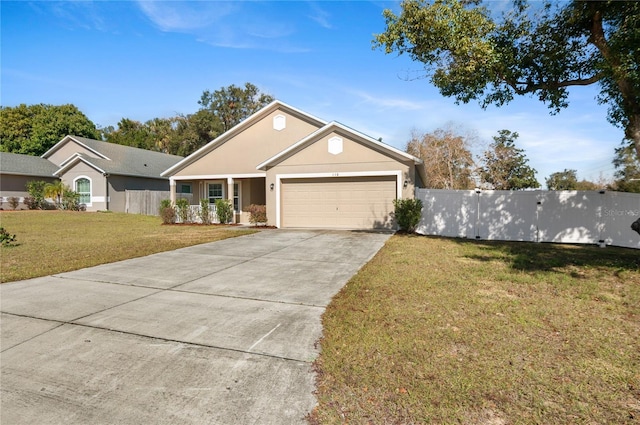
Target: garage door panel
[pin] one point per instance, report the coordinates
(352, 203)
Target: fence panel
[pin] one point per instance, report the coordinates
(145, 202)
(507, 215)
(450, 213)
(570, 217)
(542, 216)
(619, 211)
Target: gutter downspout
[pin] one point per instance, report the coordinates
(106, 198)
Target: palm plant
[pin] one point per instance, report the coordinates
(55, 190)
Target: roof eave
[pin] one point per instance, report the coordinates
(328, 128)
(237, 129)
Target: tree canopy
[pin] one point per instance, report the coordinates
(34, 129)
(568, 180)
(504, 167)
(537, 48)
(233, 104)
(627, 170)
(447, 158)
(182, 135)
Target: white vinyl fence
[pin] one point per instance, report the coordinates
(588, 217)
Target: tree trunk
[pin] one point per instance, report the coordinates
(633, 132)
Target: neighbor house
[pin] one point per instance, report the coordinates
(308, 172)
(100, 172)
(16, 170)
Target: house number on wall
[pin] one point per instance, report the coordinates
(335, 174)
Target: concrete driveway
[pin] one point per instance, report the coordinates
(220, 333)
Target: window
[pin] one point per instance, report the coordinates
(185, 188)
(215, 192)
(83, 187)
(236, 197)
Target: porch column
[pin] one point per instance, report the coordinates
(230, 195)
(172, 190)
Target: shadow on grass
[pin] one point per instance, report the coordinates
(530, 256)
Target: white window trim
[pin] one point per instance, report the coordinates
(239, 183)
(279, 177)
(221, 183)
(91, 198)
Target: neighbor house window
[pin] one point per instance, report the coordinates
(185, 188)
(215, 192)
(83, 188)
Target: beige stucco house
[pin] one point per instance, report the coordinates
(308, 172)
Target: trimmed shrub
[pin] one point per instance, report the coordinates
(13, 201)
(167, 213)
(224, 211)
(257, 214)
(182, 209)
(36, 194)
(205, 210)
(407, 213)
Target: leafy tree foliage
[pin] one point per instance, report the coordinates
(233, 104)
(184, 134)
(34, 129)
(471, 54)
(627, 170)
(447, 158)
(563, 180)
(568, 180)
(504, 167)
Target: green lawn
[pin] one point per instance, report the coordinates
(446, 331)
(57, 241)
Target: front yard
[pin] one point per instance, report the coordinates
(445, 331)
(51, 242)
(431, 330)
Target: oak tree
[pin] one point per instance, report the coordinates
(534, 48)
(34, 129)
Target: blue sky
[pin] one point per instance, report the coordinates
(147, 59)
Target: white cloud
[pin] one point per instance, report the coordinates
(185, 16)
(320, 16)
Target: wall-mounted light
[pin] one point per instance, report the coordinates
(406, 183)
(271, 186)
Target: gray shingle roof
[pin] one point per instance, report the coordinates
(126, 160)
(26, 165)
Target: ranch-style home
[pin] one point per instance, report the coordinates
(100, 172)
(308, 172)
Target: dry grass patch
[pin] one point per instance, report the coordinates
(444, 331)
(59, 241)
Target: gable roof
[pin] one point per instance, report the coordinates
(26, 165)
(228, 135)
(343, 129)
(116, 159)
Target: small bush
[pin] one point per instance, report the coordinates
(224, 211)
(205, 210)
(257, 214)
(407, 213)
(36, 194)
(168, 215)
(6, 239)
(182, 209)
(71, 201)
(13, 201)
(31, 203)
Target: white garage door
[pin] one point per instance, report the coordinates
(339, 203)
